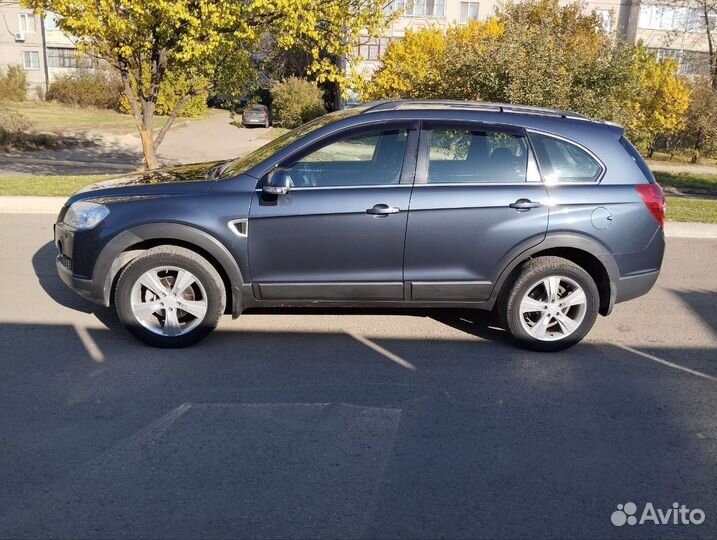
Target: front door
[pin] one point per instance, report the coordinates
(477, 197)
(339, 233)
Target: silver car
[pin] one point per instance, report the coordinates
(256, 115)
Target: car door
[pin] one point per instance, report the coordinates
(339, 232)
(477, 199)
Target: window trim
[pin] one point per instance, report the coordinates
(26, 16)
(532, 174)
(408, 167)
(601, 164)
(24, 64)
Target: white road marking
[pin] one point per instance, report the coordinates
(386, 353)
(90, 345)
(668, 364)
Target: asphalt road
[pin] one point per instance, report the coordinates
(359, 425)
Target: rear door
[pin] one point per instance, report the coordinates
(477, 197)
(339, 233)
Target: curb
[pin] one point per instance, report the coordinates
(674, 229)
(52, 205)
(31, 205)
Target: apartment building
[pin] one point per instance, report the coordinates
(37, 45)
(22, 44)
(672, 28)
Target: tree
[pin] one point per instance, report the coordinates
(145, 40)
(658, 102)
(411, 68)
(699, 132)
(699, 15)
(536, 53)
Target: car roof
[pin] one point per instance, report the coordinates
(485, 106)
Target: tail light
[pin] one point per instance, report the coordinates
(654, 199)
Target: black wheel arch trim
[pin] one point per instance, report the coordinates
(111, 260)
(558, 240)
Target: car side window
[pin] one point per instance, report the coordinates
(562, 161)
(368, 158)
(470, 156)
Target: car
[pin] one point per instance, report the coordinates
(546, 217)
(256, 115)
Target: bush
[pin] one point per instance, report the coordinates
(296, 101)
(13, 84)
(16, 133)
(86, 89)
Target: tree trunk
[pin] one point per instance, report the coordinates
(150, 155)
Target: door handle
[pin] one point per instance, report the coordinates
(382, 210)
(525, 204)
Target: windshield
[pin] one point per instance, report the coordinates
(242, 165)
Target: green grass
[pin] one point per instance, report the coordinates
(691, 210)
(684, 157)
(46, 186)
(57, 117)
(687, 180)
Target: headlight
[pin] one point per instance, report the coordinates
(85, 215)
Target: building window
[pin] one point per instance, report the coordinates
(373, 49)
(605, 17)
(51, 21)
(469, 12)
(61, 58)
(680, 18)
(425, 8)
(26, 22)
(31, 59)
(689, 62)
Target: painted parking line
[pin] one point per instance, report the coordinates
(659, 360)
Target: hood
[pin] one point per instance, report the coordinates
(188, 179)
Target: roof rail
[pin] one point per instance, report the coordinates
(402, 104)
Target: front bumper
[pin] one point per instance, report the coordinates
(84, 287)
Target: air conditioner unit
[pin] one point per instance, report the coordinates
(20, 36)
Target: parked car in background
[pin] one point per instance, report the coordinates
(256, 115)
(543, 215)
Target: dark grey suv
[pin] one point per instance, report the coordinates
(548, 217)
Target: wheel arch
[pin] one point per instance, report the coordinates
(128, 244)
(584, 251)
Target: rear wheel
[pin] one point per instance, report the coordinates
(170, 297)
(551, 305)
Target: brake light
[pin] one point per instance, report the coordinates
(654, 199)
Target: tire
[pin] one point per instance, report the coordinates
(567, 318)
(172, 277)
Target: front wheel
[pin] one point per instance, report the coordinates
(551, 305)
(170, 297)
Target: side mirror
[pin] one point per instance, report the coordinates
(278, 182)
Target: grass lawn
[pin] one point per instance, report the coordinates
(46, 186)
(687, 180)
(691, 210)
(56, 117)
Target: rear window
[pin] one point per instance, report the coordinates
(564, 162)
(258, 108)
(637, 158)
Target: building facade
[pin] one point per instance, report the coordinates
(38, 46)
(672, 28)
(22, 44)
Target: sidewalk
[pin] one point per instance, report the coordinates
(52, 205)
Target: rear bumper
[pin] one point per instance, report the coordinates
(631, 287)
